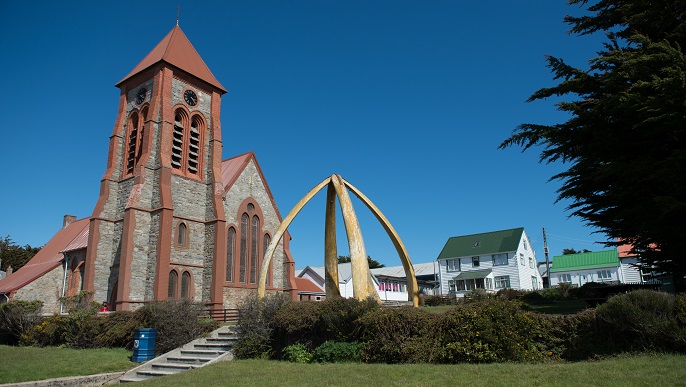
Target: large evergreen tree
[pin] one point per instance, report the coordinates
(625, 140)
(13, 255)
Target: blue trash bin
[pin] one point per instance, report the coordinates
(143, 344)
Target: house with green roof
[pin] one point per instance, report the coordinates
(490, 261)
(582, 268)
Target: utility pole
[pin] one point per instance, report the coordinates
(547, 263)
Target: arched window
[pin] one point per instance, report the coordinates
(265, 245)
(186, 284)
(244, 248)
(173, 283)
(230, 251)
(132, 143)
(182, 235)
(254, 253)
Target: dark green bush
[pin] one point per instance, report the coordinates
(116, 329)
(642, 320)
(337, 352)
(680, 308)
(400, 335)
(313, 323)
(177, 322)
(17, 317)
(551, 294)
(509, 294)
(496, 330)
(450, 299)
(256, 325)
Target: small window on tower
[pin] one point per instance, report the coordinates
(182, 235)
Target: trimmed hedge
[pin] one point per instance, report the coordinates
(177, 322)
(480, 330)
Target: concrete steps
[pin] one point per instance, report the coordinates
(198, 353)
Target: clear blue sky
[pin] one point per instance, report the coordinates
(407, 100)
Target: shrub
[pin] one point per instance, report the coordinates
(509, 294)
(297, 353)
(313, 323)
(116, 329)
(551, 294)
(337, 352)
(17, 317)
(177, 322)
(680, 308)
(496, 330)
(400, 335)
(256, 325)
(642, 320)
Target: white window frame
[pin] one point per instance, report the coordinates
(450, 265)
(452, 286)
(521, 259)
(604, 275)
(502, 282)
(499, 261)
(564, 278)
(531, 262)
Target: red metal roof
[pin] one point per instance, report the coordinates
(47, 258)
(178, 51)
(232, 168)
(307, 286)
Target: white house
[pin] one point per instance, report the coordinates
(490, 261)
(390, 282)
(582, 268)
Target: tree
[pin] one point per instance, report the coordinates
(13, 255)
(372, 263)
(572, 251)
(625, 140)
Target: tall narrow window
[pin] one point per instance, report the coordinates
(194, 147)
(244, 248)
(254, 235)
(173, 281)
(182, 234)
(230, 251)
(186, 285)
(265, 245)
(132, 144)
(177, 142)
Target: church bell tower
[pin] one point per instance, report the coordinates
(158, 227)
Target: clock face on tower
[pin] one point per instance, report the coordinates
(140, 97)
(190, 97)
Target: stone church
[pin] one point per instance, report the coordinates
(173, 221)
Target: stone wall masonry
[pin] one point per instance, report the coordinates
(153, 236)
(141, 282)
(188, 196)
(123, 192)
(47, 288)
(205, 282)
(107, 261)
(194, 254)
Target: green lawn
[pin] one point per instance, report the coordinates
(22, 364)
(27, 364)
(644, 370)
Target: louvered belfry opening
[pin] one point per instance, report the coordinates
(177, 141)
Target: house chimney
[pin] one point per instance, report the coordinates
(67, 220)
(9, 271)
